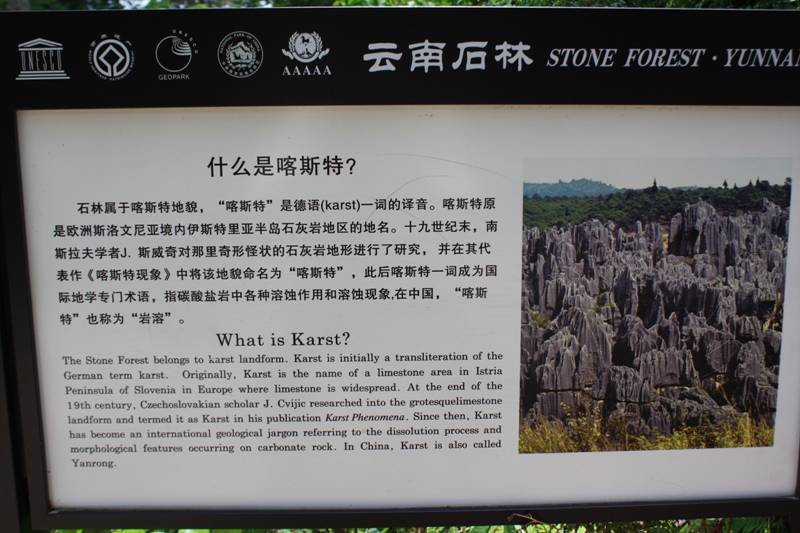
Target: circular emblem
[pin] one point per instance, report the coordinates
(240, 54)
(111, 58)
(174, 53)
(305, 47)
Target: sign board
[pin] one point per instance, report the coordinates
(348, 267)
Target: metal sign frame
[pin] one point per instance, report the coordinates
(63, 78)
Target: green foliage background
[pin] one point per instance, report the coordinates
(199, 4)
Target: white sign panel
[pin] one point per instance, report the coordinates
(252, 308)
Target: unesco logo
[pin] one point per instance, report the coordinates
(111, 58)
(174, 53)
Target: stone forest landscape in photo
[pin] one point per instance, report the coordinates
(652, 318)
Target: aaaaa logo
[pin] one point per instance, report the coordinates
(306, 48)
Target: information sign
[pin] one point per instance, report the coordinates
(346, 267)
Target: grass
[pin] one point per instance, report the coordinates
(539, 318)
(766, 524)
(590, 433)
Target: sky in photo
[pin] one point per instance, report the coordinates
(637, 173)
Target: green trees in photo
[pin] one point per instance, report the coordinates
(650, 204)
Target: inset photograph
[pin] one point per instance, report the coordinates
(652, 302)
